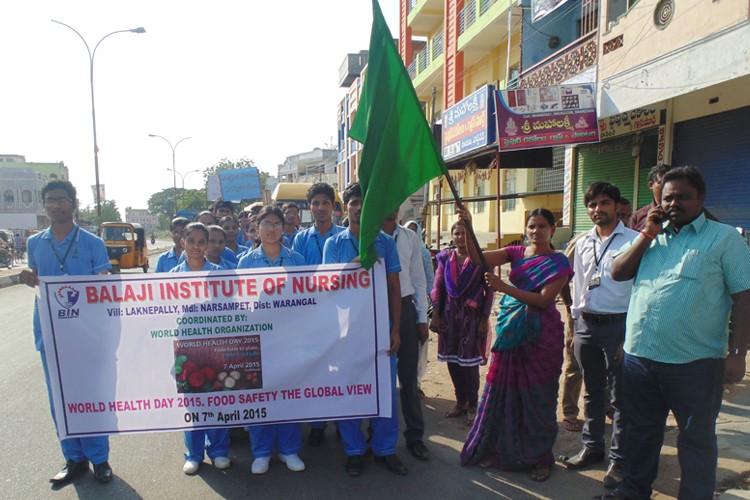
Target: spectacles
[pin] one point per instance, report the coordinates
(57, 200)
(271, 225)
(177, 233)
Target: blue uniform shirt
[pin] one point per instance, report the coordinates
(207, 266)
(310, 243)
(288, 239)
(167, 261)
(87, 255)
(258, 258)
(344, 247)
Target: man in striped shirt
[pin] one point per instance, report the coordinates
(690, 273)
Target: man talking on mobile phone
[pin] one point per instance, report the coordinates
(689, 274)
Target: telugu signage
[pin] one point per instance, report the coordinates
(240, 184)
(469, 125)
(182, 351)
(632, 121)
(547, 116)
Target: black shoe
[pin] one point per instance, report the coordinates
(354, 465)
(419, 450)
(103, 472)
(70, 471)
(393, 464)
(584, 458)
(613, 477)
(316, 437)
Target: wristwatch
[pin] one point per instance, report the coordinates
(736, 351)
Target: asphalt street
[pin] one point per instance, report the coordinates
(150, 465)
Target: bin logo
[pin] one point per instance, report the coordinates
(67, 297)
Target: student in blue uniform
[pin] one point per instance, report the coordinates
(231, 226)
(342, 248)
(291, 223)
(287, 437)
(171, 258)
(217, 239)
(310, 242)
(213, 442)
(66, 249)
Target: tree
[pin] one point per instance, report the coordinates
(110, 213)
(162, 203)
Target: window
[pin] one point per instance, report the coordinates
(616, 8)
(509, 187)
(8, 197)
(479, 191)
(551, 179)
(26, 197)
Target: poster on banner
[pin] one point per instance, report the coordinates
(240, 184)
(547, 116)
(183, 351)
(213, 188)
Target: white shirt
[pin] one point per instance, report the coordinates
(411, 277)
(610, 297)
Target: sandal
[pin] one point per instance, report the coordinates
(471, 415)
(572, 425)
(540, 473)
(456, 412)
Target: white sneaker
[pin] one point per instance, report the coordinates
(293, 462)
(190, 467)
(221, 462)
(260, 465)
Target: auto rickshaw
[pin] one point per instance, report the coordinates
(126, 245)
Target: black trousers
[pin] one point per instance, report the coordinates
(408, 359)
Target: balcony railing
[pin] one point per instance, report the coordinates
(561, 66)
(429, 54)
(467, 16)
(484, 5)
(410, 5)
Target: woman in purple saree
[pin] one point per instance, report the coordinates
(516, 424)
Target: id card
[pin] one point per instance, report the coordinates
(594, 282)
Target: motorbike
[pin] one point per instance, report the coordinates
(6, 257)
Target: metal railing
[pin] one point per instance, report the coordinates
(484, 5)
(424, 57)
(438, 45)
(467, 16)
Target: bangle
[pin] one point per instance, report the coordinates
(644, 233)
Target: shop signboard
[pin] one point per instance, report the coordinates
(469, 124)
(547, 116)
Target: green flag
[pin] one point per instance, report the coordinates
(399, 153)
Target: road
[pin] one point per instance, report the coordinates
(150, 465)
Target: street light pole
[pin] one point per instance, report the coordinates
(174, 166)
(93, 109)
(183, 179)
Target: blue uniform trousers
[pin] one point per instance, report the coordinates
(265, 438)
(385, 429)
(213, 442)
(94, 449)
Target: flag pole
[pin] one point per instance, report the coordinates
(469, 228)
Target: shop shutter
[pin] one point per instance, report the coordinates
(719, 145)
(616, 166)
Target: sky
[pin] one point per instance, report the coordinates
(243, 79)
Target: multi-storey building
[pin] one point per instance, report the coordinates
(673, 78)
(21, 184)
(318, 165)
(459, 52)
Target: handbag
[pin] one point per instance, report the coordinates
(517, 324)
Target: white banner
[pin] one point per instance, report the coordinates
(167, 352)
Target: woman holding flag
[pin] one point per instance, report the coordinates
(516, 424)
